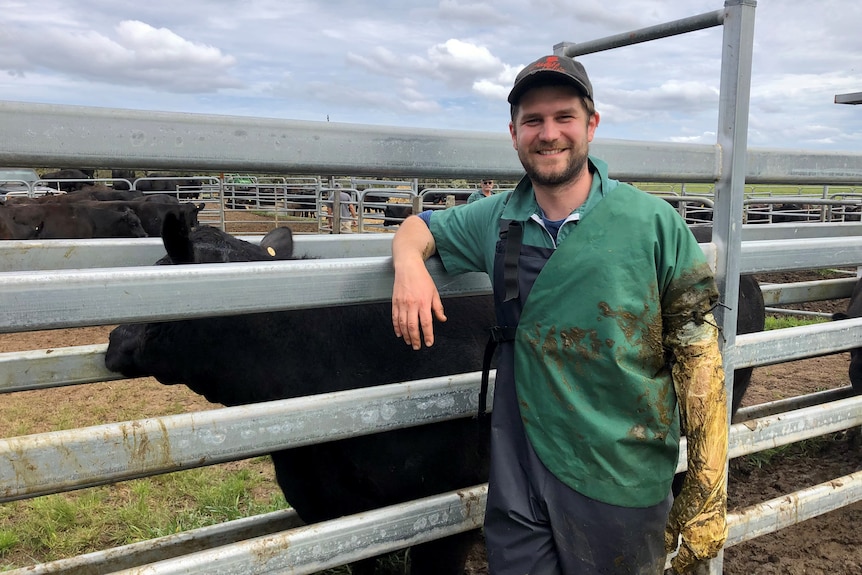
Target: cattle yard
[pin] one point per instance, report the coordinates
(255, 203)
(112, 282)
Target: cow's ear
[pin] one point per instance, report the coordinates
(175, 237)
(839, 316)
(278, 243)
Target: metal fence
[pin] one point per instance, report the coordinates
(111, 282)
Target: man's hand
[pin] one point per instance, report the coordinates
(415, 305)
(701, 520)
(415, 299)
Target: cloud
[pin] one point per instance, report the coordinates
(136, 54)
(671, 96)
(385, 62)
(472, 12)
(459, 62)
(458, 65)
(704, 138)
(414, 100)
(493, 90)
(630, 16)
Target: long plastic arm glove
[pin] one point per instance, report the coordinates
(699, 512)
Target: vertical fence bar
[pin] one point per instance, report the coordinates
(735, 91)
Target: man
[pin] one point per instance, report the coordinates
(348, 210)
(596, 353)
(487, 190)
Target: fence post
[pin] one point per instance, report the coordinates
(732, 137)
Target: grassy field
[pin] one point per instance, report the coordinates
(750, 190)
(63, 525)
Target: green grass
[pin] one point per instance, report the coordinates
(64, 525)
(751, 191)
(783, 321)
(807, 448)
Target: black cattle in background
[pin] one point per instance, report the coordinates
(260, 357)
(150, 210)
(153, 213)
(90, 193)
(751, 315)
(394, 214)
(69, 174)
(76, 220)
(854, 309)
(187, 188)
(791, 213)
(373, 203)
(190, 187)
(436, 198)
(104, 194)
(15, 229)
(123, 175)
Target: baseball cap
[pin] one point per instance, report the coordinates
(551, 69)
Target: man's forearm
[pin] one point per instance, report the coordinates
(412, 239)
(699, 511)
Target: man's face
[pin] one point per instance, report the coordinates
(487, 186)
(551, 133)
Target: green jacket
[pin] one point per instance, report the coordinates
(591, 369)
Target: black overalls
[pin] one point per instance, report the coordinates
(533, 522)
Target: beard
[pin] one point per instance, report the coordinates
(548, 176)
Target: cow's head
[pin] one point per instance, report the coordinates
(206, 244)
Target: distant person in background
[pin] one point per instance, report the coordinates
(487, 190)
(348, 210)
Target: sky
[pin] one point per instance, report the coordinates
(445, 64)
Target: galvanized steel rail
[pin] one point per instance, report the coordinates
(59, 461)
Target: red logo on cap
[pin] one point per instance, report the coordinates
(550, 63)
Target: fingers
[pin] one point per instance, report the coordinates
(428, 321)
(685, 560)
(671, 539)
(406, 324)
(412, 321)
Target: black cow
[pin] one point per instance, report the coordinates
(394, 214)
(260, 357)
(73, 221)
(102, 194)
(854, 309)
(12, 229)
(751, 316)
(128, 175)
(189, 188)
(152, 213)
(151, 210)
(791, 213)
(90, 193)
(62, 177)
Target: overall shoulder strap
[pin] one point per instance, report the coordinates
(512, 235)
